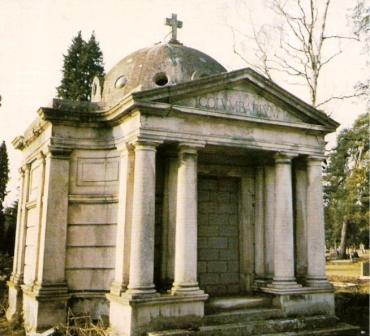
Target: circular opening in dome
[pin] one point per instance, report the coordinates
(160, 79)
(120, 82)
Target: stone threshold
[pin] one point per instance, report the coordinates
(305, 326)
(156, 299)
(297, 290)
(230, 303)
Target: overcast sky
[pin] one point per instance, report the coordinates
(35, 34)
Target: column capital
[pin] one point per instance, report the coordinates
(145, 145)
(22, 170)
(283, 157)
(191, 148)
(144, 142)
(124, 147)
(314, 160)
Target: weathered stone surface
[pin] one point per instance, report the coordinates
(168, 181)
(218, 247)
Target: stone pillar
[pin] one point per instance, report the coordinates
(283, 227)
(301, 220)
(49, 291)
(186, 224)
(169, 222)
(269, 216)
(259, 234)
(315, 226)
(143, 220)
(15, 292)
(123, 235)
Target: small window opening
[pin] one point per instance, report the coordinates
(120, 82)
(160, 79)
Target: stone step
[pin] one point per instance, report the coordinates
(242, 315)
(268, 326)
(281, 326)
(219, 304)
(341, 329)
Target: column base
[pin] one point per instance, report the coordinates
(44, 306)
(186, 289)
(14, 311)
(118, 288)
(140, 292)
(318, 283)
(261, 282)
(284, 284)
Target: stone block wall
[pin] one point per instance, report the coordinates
(218, 235)
(92, 219)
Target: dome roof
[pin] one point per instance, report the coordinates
(160, 65)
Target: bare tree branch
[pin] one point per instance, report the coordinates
(354, 95)
(296, 47)
(355, 38)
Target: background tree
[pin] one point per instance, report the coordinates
(10, 224)
(347, 187)
(82, 63)
(298, 46)
(361, 22)
(4, 177)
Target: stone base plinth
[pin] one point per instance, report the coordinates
(44, 307)
(303, 301)
(93, 302)
(134, 316)
(14, 310)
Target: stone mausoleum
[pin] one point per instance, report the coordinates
(183, 197)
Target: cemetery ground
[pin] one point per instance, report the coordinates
(352, 293)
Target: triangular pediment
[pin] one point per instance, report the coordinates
(239, 100)
(240, 93)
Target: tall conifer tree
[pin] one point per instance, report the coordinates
(4, 177)
(82, 63)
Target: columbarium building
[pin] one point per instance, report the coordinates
(181, 193)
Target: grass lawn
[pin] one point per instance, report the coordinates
(351, 293)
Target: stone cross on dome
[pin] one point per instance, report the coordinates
(174, 24)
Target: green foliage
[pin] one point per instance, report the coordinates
(361, 20)
(4, 177)
(82, 63)
(361, 23)
(4, 172)
(10, 216)
(347, 184)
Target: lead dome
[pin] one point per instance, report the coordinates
(157, 66)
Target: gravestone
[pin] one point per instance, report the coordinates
(365, 270)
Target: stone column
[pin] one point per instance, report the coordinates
(259, 234)
(283, 227)
(301, 220)
(143, 220)
(16, 279)
(315, 226)
(54, 218)
(169, 221)
(186, 224)
(49, 291)
(269, 217)
(123, 235)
